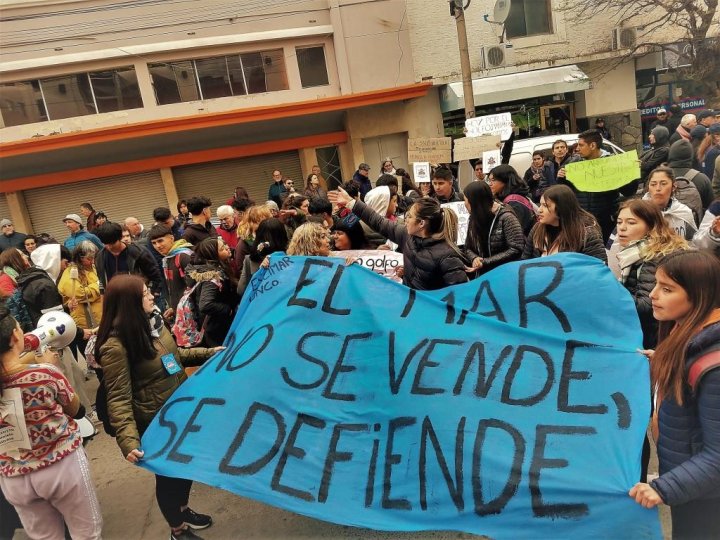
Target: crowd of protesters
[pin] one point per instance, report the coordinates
(126, 285)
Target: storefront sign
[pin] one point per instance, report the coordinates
(436, 150)
(604, 174)
(473, 147)
(492, 124)
(496, 407)
(685, 104)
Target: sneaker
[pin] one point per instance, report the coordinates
(185, 534)
(195, 520)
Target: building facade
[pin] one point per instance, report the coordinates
(131, 106)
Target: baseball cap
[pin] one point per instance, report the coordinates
(707, 113)
(72, 217)
(661, 110)
(364, 166)
(714, 129)
(5, 222)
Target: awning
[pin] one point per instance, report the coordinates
(516, 86)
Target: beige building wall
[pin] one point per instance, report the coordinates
(612, 91)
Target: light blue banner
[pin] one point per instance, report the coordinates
(513, 406)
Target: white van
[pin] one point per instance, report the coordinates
(523, 149)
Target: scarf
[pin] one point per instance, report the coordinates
(684, 133)
(156, 322)
(10, 271)
(628, 256)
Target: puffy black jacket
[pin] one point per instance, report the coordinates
(639, 282)
(215, 305)
(196, 233)
(429, 263)
(593, 245)
(505, 241)
(39, 292)
(689, 442)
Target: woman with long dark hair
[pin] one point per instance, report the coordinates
(685, 371)
(269, 238)
(563, 226)
(426, 240)
(215, 296)
(494, 234)
(142, 368)
(509, 188)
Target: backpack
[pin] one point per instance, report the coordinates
(186, 330)
(701, 366)
(687, 193)
(526, 202)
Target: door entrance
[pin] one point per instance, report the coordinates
(557, 119)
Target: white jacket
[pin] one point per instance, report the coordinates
(679, 217)
(705, 238)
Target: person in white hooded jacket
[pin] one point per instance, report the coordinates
(708, 235)
(382, 201)
(660, 190)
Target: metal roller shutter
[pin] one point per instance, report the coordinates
(4, 208)
(217, 180)
(118, 196)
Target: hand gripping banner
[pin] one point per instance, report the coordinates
(513, 406)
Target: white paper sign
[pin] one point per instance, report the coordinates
(421, 172)
(13, 431)
(380, 261)
(491, 159)
(463, 220)
(492, 124)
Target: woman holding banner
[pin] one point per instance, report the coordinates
(563, 226)
(142, 368)
(494, 234)
(685, 370)
(426, 240)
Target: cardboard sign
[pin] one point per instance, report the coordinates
(437, 150)
(473, 147)
(463, 220)
(501, 407)
(604, 174)
(421, 172)
(380, 261)
(492, 124)
(490, 160)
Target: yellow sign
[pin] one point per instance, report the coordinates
(604, 174)
(431, 150)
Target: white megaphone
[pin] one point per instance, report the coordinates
(55, 329)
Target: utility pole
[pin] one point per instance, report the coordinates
(458, 11)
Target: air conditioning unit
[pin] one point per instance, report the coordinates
(623, 38)
(496, 56)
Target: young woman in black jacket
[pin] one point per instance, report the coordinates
(685, 371)
(564, 227)
(426, 240)
(510, 189)
(215, 296)
(494, 234)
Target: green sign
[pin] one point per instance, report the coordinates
(604, 174)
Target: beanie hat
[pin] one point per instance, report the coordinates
(661, 134)
(714, 129)
(698, 132)
(5, 222)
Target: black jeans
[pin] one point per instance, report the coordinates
(171, 494)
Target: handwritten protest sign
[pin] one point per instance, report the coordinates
(604, 174)
(421, 172)
(436, 150)
(463, 220)
(491, 159)
(473, 147)
(501, 407)
(491, 124)
(380, 261)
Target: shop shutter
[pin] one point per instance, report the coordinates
(217, 180)
(4, 208)
(118, 196)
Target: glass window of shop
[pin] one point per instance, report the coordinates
(529, 18)
(68, 96)
(313, 69)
